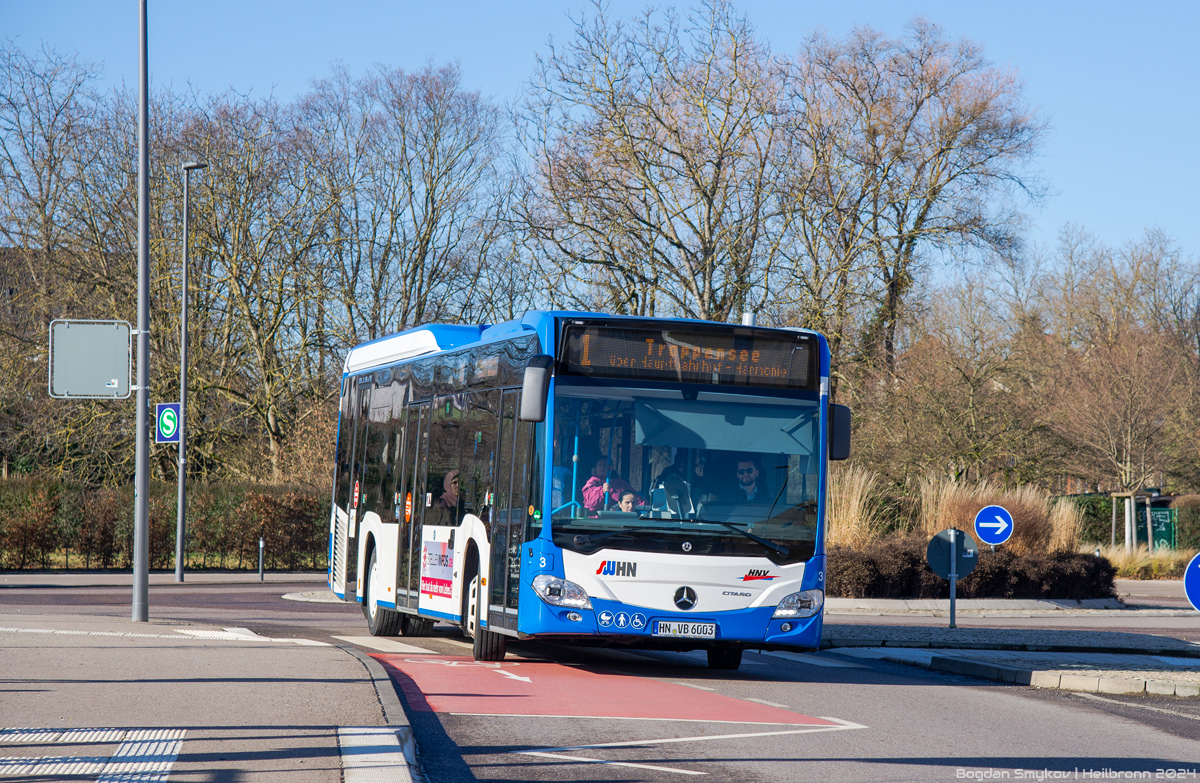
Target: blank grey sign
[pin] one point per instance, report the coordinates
(89, 359)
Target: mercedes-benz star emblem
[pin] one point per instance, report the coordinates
(685, 598)
(687, 546)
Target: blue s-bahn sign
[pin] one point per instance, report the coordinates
(166, 422)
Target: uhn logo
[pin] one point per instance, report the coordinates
(616, 568)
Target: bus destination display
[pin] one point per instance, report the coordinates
(691, 356)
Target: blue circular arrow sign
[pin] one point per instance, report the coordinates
(1191, 582)
(993, 525)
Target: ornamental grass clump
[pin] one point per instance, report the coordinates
(851, 516)
(1039, 524)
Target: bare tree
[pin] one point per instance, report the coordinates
(655, 149)
(408, 164)
(916, 145)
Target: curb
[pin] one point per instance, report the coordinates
(829, 641)
(970, 605)
(1054, 680)
(393, 711)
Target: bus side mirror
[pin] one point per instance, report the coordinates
(536, 388)
(839, 432)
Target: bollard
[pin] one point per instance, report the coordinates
(261, 545)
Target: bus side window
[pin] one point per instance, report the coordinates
(376, 455)
(478, 480)
(444, 477)
(341, 487)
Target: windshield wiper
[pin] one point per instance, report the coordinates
(582, 540)
(778, 549)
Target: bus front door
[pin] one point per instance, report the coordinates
(510, 512)
(345, 542)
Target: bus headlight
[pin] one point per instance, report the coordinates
(800, 605)
(560, 592)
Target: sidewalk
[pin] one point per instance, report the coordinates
(1077, 660)
(108, 698)
(32, 579)
(1094, 672)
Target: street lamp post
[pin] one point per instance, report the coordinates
(180, 528)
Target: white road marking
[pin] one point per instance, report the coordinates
(227, 635)
(768, 703)
(145, 755)
(557, 752)
(385, 645)
(61, 736)
(372, 754)
(694, 685)
(512, 676)
(842, 726)
(1094, 697)
(815, 660)
(612, 763)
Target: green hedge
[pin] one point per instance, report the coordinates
(48, 524)
(1187, 521)
(896, 568)
(1097, 518)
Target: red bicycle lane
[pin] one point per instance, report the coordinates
(463, 686)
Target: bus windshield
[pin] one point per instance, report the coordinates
(718, 474)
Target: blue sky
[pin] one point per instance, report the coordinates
(1117, 81)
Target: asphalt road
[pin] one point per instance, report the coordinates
(583, 715)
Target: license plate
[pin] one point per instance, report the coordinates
(684, 629)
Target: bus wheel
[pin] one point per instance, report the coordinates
(380, 620)
(411, 625)
(724, 657)
(486, 645)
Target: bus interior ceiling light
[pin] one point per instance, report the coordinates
(559, 592)
(800, 605)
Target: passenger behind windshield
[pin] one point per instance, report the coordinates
(604, 485)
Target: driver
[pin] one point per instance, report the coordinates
(746, 488)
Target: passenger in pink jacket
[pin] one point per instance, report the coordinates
(600, 484)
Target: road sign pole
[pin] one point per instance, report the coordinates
(953, 572)
(181, 501)
(141, 529)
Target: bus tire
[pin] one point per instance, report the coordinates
(412, 625)
(380, 620)
(728, 658)
(485, 645)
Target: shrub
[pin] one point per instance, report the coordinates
(1097, 517)
(1187, 521)
(30, 507)
(97, 540)
(38, 516)
(896, 568)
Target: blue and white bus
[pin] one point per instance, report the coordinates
(591, 479)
